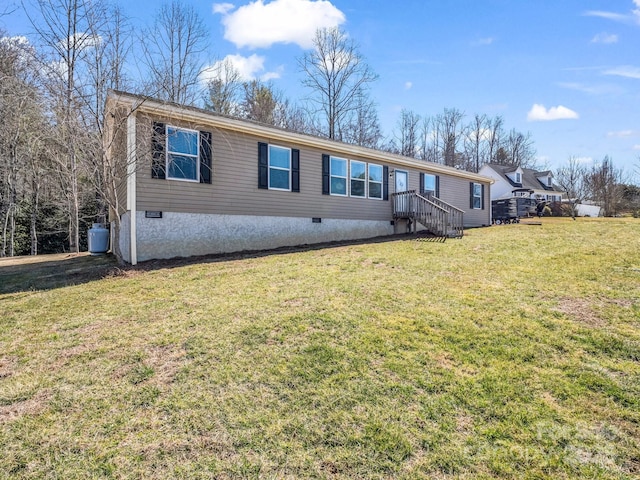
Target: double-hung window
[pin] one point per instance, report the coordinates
(182, 154)
(375, 181)
(429, 184)
(338, 176)
(477, 195)
(358, 177)
(279, 168)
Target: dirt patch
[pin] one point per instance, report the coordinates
(166, 361)
(8, 366)
(581, 310)
(31, 406)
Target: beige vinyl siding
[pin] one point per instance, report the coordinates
(117, 151)
(455, 191)
(234, 188)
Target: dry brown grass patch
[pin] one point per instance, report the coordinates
(31, 406)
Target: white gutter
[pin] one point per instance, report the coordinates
(131, 185)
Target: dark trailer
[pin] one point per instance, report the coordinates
(510, 210)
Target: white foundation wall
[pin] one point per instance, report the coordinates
(189, 234)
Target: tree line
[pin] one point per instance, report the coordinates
(55, 174)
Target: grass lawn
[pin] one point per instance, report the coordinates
(511, 353)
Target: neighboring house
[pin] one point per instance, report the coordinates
(192, 182)
(513, 181)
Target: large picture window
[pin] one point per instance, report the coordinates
(375, 181)
(358, 176)
(338, 176)
(182, 154)
(279, 168)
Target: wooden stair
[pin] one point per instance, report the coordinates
(437, 216)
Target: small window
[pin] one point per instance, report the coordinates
(518, 177)
(358, 179)
(182, 154)
(375, 181)
(279, 168)
(429, 187)
(477, 195)
(549, 181)
(338, 176)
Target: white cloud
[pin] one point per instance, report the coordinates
(636, 147)
(618, 17)
(484, 41)
(605, 38)
(604, 89)
(249, 68)
(633, 17)
(260, 24)
(540, 113)
(584, 160)
(82, 40)
(621, 134)
(223, 8)
(408, 85)
(627, 71)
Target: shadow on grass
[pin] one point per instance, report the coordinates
(46, 272)
(224, 257)
(49, 272)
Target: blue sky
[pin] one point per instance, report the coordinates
(567, 71)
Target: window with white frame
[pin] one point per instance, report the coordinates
(549, 183)
(358, 176)
(429, 186)
(518, 177)
(182, 154)
(375, 181)
(279, 168)
(477, 195)
(338, 176)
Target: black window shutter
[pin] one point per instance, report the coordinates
(385, 183)
(325, 174)
(482, 198)
(158, 161)
(422, 184)
(470, 194)
(205, 157)
(263, 165)
(295, 170)
(438, 186)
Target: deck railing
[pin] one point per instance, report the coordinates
(439, 217)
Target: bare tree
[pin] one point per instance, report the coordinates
(406, 137)
(520, 150)
(494, 137)
(173, 50)
(22, 123)
(604, 183)
(223, 88)
(363, 126)
(66, 29)
(571, 177)
(337, 75)
(429, 140)
(449, 125)
(475, 142)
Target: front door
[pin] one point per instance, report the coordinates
(402, 202)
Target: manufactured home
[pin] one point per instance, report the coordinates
(192, 182)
